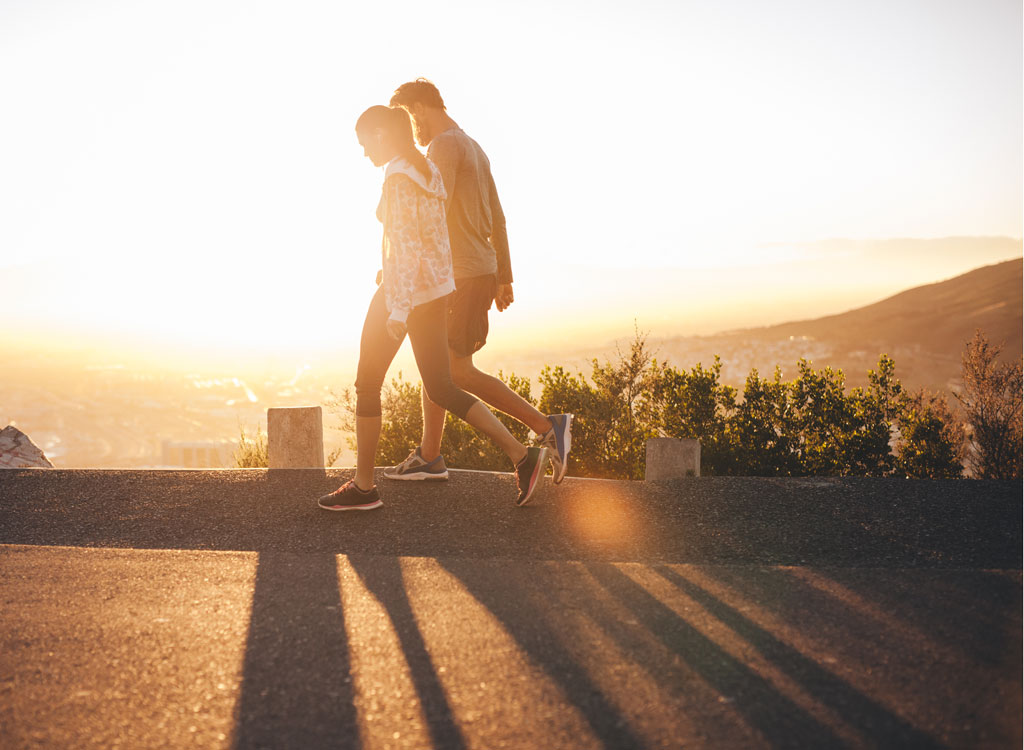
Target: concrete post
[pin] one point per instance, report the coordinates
(672, 458)
(295, 437)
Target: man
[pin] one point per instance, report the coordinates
(483, 274)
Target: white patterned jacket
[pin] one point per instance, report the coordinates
(416, 254)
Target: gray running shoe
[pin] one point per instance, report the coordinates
(558, 441)
(415, 468)
(529, 472)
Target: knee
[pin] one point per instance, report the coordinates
(368, 402)
(451, 398)
(440, 393)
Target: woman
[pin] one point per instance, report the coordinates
(417, 277)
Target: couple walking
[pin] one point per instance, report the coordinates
(445, 260)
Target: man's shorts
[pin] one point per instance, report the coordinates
(467, 313)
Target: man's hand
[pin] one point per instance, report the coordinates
(396, 329)
(503, 296)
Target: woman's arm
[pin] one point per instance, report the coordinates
(403, 246)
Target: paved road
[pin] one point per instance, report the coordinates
(222, 609)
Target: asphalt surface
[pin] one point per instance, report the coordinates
(223, 609)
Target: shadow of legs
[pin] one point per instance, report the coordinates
(780, 721)
(296, 682)
(868, 717)
(382, 577)
(511, 603)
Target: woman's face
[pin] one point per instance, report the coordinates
(375, 146)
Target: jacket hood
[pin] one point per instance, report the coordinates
(401, 165)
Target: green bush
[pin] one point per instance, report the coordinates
(809, 426)
(615, 413)
(931, 439)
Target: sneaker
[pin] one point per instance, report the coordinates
(558, 441)
(528, 471)
(414, 467)
(350, 497)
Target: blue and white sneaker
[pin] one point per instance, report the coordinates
(415, 468)
(558, 441)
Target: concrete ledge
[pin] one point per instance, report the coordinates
(672, 458)
(295, 437)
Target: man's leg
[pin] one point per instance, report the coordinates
(494, 392)
(488, 389)
(428, 334)
(467, 331)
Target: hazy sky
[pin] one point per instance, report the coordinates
(189, 169)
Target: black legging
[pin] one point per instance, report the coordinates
(428, 333)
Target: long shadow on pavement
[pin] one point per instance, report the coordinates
(966, 610)
(382, 577)
(865, 715)
(531, 628)
(776, 717)
(296, 684)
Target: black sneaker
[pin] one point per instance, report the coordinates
(350, 497)
(528, 472)
(414, 467)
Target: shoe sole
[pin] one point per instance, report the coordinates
(369, 506)
(558, 476)
(534, 478)
(420, 476)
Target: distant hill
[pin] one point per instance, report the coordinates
(933, 317)
(924, 329)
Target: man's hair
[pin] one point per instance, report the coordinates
(420, 91)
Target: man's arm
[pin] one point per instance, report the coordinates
(499, 237)
(499, 241)
(444, 153)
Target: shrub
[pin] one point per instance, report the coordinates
(931, 439)
(615, 413)
(764, 429)
(991, 398)
(808, 426)
(252, 451)
(694, 404)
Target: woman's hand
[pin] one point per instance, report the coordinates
(396, 329)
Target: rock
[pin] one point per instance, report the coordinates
(18, 452)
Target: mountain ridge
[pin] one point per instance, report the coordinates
(924, 328)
